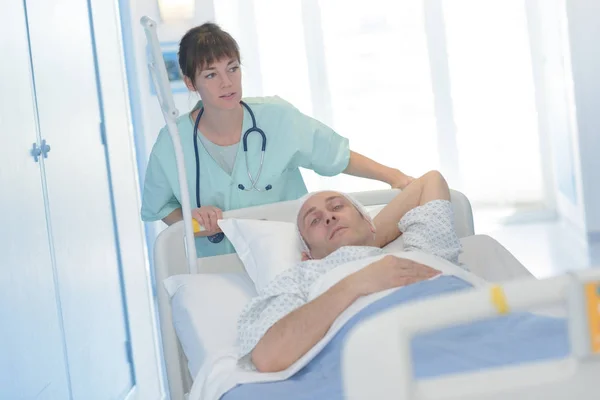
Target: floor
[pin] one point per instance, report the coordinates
(542, 243)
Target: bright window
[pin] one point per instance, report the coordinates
(493, 100)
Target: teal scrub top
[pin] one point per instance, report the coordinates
(294, 140)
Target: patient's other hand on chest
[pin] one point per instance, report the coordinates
(390, 272)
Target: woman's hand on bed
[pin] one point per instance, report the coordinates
(390, 272)
(401, 181)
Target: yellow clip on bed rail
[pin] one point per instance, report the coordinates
(592, 294)
(499, 299)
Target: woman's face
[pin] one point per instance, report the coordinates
(219, 84)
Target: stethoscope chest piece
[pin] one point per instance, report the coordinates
(216, 238)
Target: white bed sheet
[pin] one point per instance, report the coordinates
(224, 374)
(486, 259)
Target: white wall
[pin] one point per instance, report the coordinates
(584, 31)
(567, 75)
(549, 47)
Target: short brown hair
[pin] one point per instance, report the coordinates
(203, 45)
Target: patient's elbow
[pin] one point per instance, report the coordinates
(265, 361)
(434, 175)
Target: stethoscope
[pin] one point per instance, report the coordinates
(219, 236)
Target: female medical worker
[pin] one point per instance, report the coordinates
(227, 169)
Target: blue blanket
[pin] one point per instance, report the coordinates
(512, 339)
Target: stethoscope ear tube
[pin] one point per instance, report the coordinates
(253, 182)
(218, 237)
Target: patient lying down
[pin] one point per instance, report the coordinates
(282, 323)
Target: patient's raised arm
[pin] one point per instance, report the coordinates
(429, 187)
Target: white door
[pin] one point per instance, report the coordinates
(79, 197)
(32, 357)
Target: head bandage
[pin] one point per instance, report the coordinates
(359, 207)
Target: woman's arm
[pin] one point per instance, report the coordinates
(364, 167)
(175, 216)
(327, 153)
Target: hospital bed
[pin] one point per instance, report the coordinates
(481, 253)
(484, 256)
(387, 373)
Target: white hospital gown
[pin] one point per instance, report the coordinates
(428, 228)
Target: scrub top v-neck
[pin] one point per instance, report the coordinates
(294, 140)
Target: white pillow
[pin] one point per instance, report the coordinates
(205, 309)
(266, 248)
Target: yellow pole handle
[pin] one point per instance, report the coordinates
(196, 226)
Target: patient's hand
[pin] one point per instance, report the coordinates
(388, 273)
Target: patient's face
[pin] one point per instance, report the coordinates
(328, 221)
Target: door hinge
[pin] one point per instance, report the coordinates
(102, 133)
(128, 352)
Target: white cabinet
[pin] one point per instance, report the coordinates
(32, 362)
(63, 326)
